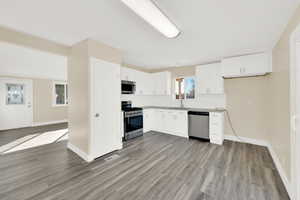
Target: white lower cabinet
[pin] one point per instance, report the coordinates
(148, 119)
(216, 127)
(173, 122)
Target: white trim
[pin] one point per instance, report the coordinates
(282, 173)
(54, 83)
(246, 140)
(274, 156)
(80, 153)
(49, 123)
(294, 144)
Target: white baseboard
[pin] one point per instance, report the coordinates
(282, 173)
(49, 123)
(80, 153)
(274, 156)
(246, 140)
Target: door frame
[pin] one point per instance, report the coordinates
(12, 79)
(294, 121)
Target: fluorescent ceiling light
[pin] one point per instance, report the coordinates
(154, 16)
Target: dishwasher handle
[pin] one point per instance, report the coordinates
(198, 113)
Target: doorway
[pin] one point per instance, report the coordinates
(295, 112)
(15, 103)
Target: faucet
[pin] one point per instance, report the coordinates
(181, 103)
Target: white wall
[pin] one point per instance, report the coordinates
(26, 62)
(202, 101)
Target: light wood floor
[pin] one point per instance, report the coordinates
(8, 136)
(156, 166)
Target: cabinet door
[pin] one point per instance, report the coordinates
(162, 120)
(250, 65)
(161, 83)
(140, 83)
(179, 123)
(159, 120)
(124, 73)
(231, 67)
(209, 79)
(164, 83)
(148, 119)
(216, 127)
(257, 64)
(169, 121)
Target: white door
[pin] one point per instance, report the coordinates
(15, 103)
(105, 107)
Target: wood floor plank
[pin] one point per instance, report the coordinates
(156, 166)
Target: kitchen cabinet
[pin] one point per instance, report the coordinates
(209, 79)
(148, 83)
(148, 117)
(175, 122)
(216, 127)
(161, 83)
(250, 65)
(126, 74)
(178, 123)
(141, 83)
(172, 122)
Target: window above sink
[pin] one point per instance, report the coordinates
(185, 87)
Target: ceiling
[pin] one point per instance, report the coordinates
(211, 29)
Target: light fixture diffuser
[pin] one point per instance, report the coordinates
(154, 16)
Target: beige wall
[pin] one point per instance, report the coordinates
(78, 112)
(279, 85)
(79, 87)
(43, 110)
(42, 92)
(104, 52)
(23, 39)
(247, 102)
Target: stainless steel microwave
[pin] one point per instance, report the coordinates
(128, 87)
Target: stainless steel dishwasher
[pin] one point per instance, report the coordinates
(199, 124)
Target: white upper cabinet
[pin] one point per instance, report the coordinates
(161, 83)
(250, 65)
(148, 83)
(126, 74)
(209, 79)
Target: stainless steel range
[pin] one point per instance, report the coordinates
(133, 121)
